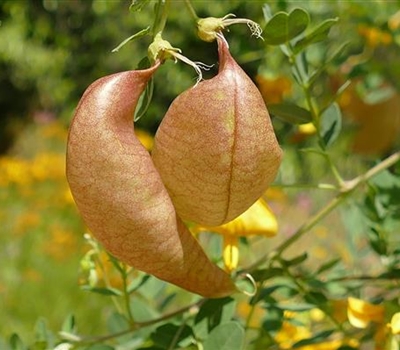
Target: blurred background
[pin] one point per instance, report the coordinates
(51, 50)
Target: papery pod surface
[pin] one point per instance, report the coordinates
(215, 148)
(121, 196)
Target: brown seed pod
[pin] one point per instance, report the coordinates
(215, 149)
(121, 196)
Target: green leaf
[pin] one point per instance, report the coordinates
(316, 35)
(170, 334)
(143, 310)
(104, 291)
(16, 342)
(117, 323)
(316, 298)
(290, 113)
(137, 283)
(227, 336)
(273, 320)
(265, 293)
(296, 260)
(144, 100)
(68, 325)
(328, 265)
(137, 5)
(42, 334)
(283, 27)
(265, 274)
(330, 124)
(212, 313)
(322, 68)
(295, 307)
(137, 35)
(318, 338)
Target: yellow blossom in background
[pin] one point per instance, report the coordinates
(394, 21)
(361, 313)
(61, 243)
(54, 130)
(273, 89)
(374, 36)
(290, 334)
(48, 166)
(14, 171)
(395, 323)
(257, 220)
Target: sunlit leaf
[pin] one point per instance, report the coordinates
(316, 35)
(283, 27)
(104, 291)
(169, 333)
(317, 338)
(16, 342)
(145, 100)
(331, 124)
(226, 336)
(212, 313)
(290, 113)
(296, 260)
(138, 35)
(322, 68)
(68, 325)
(299, 307)
(328, 265)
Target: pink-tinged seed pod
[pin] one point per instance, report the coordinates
(215, 149)
(121, 196)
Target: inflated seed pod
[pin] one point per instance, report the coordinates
(121, 196)
(215, 149)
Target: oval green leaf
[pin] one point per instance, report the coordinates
(316, 35)
(227, 336)
(331, 124)
(290, 113)
(283, 27)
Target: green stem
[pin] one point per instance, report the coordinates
(348, 188)
(126, 296)
(137, 325)
(191, 10)
(304, 290)
(314, 110)
(161, 16)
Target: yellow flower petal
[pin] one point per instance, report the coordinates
(395, 323)
(307, 129)
(257, 220)
(360, 313)
(231, 252)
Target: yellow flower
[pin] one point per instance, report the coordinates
(307, 129)
(273, 90)
(290, 334)
(374, 36)
(395, 323)
(361, 313)
(257, 220)
(145, 139)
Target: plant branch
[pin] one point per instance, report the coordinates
(191, 10)
(137, 325)
(348, 188)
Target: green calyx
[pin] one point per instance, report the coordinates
(161, 49)
(208, 28)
